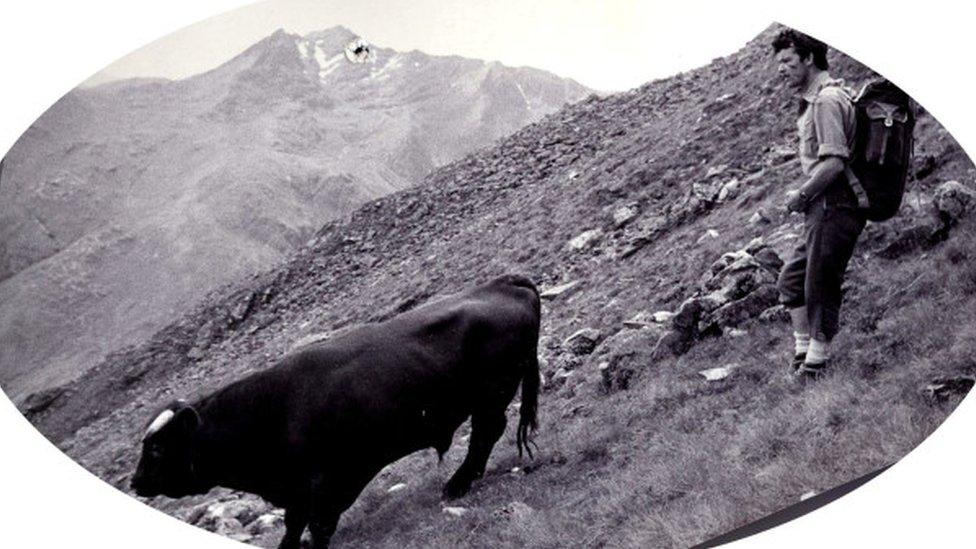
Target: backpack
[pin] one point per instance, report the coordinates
(883, 147)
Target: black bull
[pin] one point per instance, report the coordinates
(309, 433)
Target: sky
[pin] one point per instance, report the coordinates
(612, 45)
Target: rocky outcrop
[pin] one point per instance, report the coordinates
(930, 221)
(738, 287)
(239, 518)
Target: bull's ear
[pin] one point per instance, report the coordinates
(187, 418)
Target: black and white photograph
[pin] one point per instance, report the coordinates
(321, 274)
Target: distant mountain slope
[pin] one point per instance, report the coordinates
(126, 202)
(665, 200)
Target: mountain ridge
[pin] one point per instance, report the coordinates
(143, 182)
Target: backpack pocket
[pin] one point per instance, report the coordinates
(887, 134)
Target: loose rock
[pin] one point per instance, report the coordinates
(729, 190)
(583, 341)
(556, 291)
(953, 200)
(585, 240)
(759, 218)
(717, 374)
(943, 388)
(624, 215)
(266, 523)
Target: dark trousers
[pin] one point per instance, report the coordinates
(814, 273)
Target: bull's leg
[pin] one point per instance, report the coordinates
(296, 518)
(486, 428)
(322, 526)
(330, 498)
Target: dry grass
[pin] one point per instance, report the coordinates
(676, 460)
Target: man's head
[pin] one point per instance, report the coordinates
(799, 57)
(166, 465)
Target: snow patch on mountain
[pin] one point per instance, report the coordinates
(327, 66)
(524, 97)
(393, 63)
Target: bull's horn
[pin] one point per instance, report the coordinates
(160, 420)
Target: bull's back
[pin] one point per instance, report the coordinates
(389, 377)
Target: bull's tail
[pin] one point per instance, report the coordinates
(530, 403)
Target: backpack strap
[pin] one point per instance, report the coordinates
(855, 184)
(852, 180)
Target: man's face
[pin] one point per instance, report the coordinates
(792, 69)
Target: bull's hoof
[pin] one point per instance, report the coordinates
(455, 489)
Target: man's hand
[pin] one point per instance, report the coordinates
(796, 201)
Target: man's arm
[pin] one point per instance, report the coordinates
(828, 121)
(824, 172)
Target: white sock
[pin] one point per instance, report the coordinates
(818, 352)
(801, 342)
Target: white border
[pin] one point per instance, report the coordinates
(47, 47)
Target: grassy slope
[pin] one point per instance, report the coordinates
(670, 461)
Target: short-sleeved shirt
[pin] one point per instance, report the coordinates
(826, 127)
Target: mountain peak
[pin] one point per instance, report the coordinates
(331, 39)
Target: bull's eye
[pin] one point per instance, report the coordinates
(154, 450)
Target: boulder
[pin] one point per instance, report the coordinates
(584, 240)
(558, 379)
(35, 403)
(776, 313)
(742, 262)
(566, 361)
(583, 341)
(924, 234)
(953, 200)
(556, 291)
(740, 310)
(686, 317)
(944, 387)
(781, 154)
(713, 301)
(718, 374)
(230, 528)
(759, 218)
(754, 245)
(715, 170)
(710, 233)
(266, 523)
(769, 259)
(729, 190)
(624, 215)
(243, 511)
(641, 320)
(662, 317)
(624, 354)
(671, 343)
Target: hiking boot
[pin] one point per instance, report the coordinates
(798, 360)
(811, 371)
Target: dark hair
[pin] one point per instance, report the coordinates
(803, 45)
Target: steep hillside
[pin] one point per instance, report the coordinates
(125, 203)
(652, 221)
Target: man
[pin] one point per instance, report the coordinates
(810, 282)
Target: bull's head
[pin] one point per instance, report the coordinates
(166, 465)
